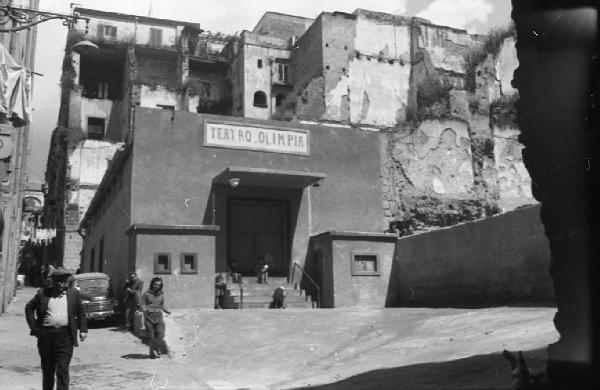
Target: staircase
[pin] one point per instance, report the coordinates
(259, 296)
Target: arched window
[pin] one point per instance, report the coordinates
(260, 99)
(279, 98)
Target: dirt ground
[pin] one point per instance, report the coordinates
(410, 348)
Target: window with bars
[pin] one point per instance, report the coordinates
(189, 263)
(162, 263)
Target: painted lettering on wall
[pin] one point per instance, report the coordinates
(256, 138)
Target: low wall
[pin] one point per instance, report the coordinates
(496, 261)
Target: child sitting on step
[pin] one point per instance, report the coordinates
(262, 270)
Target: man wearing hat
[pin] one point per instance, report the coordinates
(54, 315)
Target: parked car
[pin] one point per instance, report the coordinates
(97, 295)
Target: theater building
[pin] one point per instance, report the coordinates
(306, 141)
(192, 191)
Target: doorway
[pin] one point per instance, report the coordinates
(258, 228)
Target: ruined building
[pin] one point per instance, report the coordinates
(339, 128)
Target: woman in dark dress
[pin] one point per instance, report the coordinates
(153, 304)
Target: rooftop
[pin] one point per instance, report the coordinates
(139, 18)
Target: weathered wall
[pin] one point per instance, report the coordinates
(514, 183)
(153, 97)
(496, 261)
(436, 158)
(157, 70)
(445, 45)
(129, 31)
(282, 26)
(506, 63)
(87, 164)
(306, 60)
(260, 79)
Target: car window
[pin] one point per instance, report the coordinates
(93, 286)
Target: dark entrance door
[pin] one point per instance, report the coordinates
(258, 228)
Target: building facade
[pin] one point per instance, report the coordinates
(296, 133)
(17, 60)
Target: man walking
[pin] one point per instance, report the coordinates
(54, 315)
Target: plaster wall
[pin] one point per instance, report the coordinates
(514, 183)
(382, 38)
(282, 26)
(446, 46)
(112, 224)
(89, 161)
(495, 261)
(437, 158)
(378, 92)
(181, 290)
(361, 290)
(330, 261)
(152, 97)
(259, 79)
(506, 63)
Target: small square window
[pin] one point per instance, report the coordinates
(259, 64)
(365, 264)
(162, 263)
(189, 263)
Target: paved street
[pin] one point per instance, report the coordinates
(282, 349)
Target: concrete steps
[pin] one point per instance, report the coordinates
(256, 295)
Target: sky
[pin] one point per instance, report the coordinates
(226, 16)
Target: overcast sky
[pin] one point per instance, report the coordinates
(227, 16)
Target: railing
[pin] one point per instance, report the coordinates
(296, 265)
(241, 292)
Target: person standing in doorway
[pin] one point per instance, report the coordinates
(133, 297)
(153, 304)
(54, 315)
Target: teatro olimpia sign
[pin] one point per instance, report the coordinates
(265, 139)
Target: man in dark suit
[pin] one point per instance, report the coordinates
(54, 315)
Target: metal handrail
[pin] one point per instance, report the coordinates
(310, 279)
(241, 293)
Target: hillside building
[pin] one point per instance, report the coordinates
(312, 141)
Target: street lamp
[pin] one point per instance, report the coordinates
(25, 18)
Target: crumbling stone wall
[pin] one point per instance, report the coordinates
(458, 158)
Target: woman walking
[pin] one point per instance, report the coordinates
(153, 304)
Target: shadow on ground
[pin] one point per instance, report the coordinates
(136, 356)
(480, 372)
